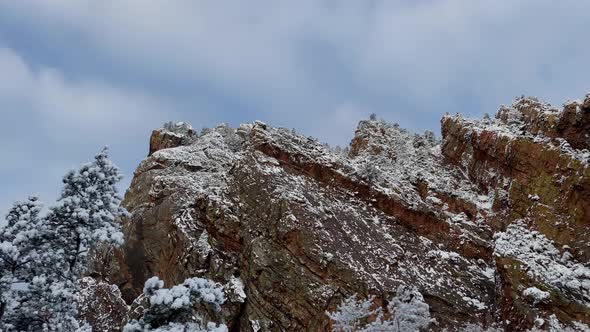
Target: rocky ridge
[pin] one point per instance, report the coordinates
(491, 224)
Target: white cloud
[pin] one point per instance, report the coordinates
(490, 48)
(15, 81)
(182, 37)
(85, 109)
(428, 52)
(51, 123)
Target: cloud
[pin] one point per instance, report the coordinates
(51, 124)
(489, 48)
(311, 56)
(180, 37)
(67, 108)
(15, 78)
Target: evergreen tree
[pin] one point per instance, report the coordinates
(351, 314)
(19, 240)
(407, 313)
(41, 258)
(174, 309)
(35, 296)
(86, 212)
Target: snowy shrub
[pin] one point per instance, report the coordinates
(173, 309)
(407, 310)
(230, 137)
(410, 312)
(536, 295)
(430, 138)
(351, 313)
(42, 257)
(372, 171)
(182, 128)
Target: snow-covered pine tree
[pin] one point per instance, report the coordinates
(41, 258)
(407, 313)
(352, 314)
(34, 296)
(86, 213)
(173, 309)
(408, 309)
(19, 241)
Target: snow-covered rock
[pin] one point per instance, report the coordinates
(476, 222)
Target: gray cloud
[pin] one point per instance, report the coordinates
(67, 108)
(432, 55)
(51, 124)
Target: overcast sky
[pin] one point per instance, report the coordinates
(78, 74)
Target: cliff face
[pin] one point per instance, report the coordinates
(534, 159)
(481, 222)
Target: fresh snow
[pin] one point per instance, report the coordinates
(544, 262)
(537, 295)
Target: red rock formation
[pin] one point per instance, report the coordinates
(531, 159)
(304, 226)
(172, 135)
(100, 304)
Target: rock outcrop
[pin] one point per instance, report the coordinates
(100, 304)
(535, 160)
(492, 224)
(171, 136)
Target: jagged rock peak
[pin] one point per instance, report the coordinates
(377, 137)
(172, 134)
(567, 129)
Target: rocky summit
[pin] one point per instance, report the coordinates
(491, 224)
